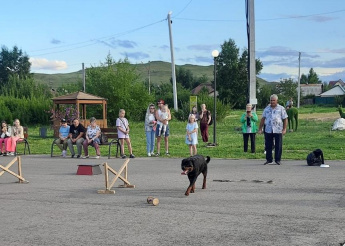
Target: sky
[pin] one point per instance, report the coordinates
(60, 35)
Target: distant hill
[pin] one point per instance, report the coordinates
(160, 72)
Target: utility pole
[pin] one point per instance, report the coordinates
(173, 74)
(251, 52)
(149, 74)
(299, 80)
(83, 68)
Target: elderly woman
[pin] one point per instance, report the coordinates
(92, 138)
(249, 128)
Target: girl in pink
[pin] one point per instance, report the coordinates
(3, 138)
(17, 132)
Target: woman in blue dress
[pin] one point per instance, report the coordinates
(192, 135)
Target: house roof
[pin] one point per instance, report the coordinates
(78, 96)
(333, 83)
(197, 89)
(337, 90)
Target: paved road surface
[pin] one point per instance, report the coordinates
(292, 204)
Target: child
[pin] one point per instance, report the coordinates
(123, 133)
(4, 138)
(164, 116)
(192, 135)
(61, 142)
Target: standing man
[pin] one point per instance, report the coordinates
(76, 134)
(274, 118)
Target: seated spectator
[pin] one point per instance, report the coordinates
(5, 134)
(76, 136)
(92, 138)
(17, 132)
(63, 137)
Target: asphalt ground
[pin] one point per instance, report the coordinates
(245, 203)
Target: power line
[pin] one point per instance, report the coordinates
(94, 41)
(269, 19)
(183, 8)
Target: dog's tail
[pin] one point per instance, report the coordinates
(208, 159)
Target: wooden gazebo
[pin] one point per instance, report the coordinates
(80, 99)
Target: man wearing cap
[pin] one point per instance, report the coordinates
(274, 118)
(63, 137)
(161, 121)
(76, 136)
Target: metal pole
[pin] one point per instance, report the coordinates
(215, 103)
(173, 74)
(299, 80)
(149, 78)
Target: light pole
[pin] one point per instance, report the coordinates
(215, 54)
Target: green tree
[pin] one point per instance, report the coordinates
(119, 83)
(287, 89)
(263, 95)
(232, 74)
(13, 63)
(304, 79)
(184, 77)
(313, 78)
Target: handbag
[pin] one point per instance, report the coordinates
(103, 138)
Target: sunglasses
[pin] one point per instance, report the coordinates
(152, 108)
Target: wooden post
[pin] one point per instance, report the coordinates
(19, 175)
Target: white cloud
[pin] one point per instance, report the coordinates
(44, 64)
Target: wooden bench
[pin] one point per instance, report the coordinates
(111, 134)
(113, 140)
(24, 141)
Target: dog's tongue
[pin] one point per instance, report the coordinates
(184, 172)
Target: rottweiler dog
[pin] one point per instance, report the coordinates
(315, 158)
(193, 166)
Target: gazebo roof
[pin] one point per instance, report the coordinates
(80, 96)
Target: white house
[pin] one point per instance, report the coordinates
(337, 90)
(311, 89)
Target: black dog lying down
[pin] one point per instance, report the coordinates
(315, 158)
(192, 167)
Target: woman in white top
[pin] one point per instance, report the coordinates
(150, 129)
(92, 138)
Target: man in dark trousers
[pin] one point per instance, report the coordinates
(274, 118)
(76, 136)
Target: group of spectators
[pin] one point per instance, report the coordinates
(157, 126)
(273, 124)
(76, 134)
(9, 137)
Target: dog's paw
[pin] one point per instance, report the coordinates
(186, 194)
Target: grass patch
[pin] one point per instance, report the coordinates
(311, 134)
